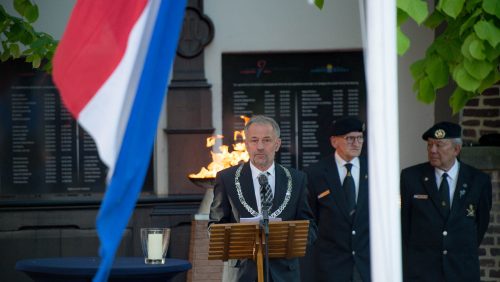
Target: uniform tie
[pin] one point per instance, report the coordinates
(349, 190)
(266, 195)
(444, 191)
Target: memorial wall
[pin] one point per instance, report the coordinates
(44, 153)
(304, 92)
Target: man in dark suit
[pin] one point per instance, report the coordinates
(338, 189)
(237, 195)
(445, 211)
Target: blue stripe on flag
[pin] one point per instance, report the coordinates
(133, 159)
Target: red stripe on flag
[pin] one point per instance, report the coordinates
(92, 46)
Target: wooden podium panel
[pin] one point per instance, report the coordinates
(287, 239)
(235, 240)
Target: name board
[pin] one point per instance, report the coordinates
(44, 151)
(303, 92)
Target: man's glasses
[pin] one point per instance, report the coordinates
(350, 139)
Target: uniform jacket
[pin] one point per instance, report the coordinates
(436, 248)
(342, 242)
(227, 207)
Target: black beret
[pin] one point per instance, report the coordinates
(443, 130)
(346, 125)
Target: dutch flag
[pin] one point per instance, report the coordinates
(111, 68)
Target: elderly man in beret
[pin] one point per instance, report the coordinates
(338, 190)
(445, 211)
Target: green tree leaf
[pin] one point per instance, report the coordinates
(31, 13)
(476, 49)
(487, 30)
(491, 53)
(417, 69)
(458, 99)
(402, 16)
(491, 79)
(465, 49)
(447, 48)
(403, 42)
(437, 72)
(451, 7)
(472, 5)
(416, 9)
(5, 55)
(492, 7)
(14, 50)
(470, 21)
(319, 3)
(478, 69)
(21, 5)
(36, 61)
(434, 20)
(426, 92)
(464, 79)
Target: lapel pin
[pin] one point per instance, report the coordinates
(462, 193)
(426, 179)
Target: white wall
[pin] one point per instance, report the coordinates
(284, 25)
(414, 117)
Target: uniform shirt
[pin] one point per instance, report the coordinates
(452, 178)
(355, 171)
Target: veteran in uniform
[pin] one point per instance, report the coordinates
(237, 195)
(338, 189)
(445, 211)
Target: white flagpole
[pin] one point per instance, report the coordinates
(378, 21)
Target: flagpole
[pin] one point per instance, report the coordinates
(378, 22)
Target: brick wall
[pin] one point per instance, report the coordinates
(481, 115)
(203, 270)
(490, 247)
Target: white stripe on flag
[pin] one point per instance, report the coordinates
(107, 113)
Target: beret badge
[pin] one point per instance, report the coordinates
(439, 134)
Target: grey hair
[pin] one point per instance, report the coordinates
(457, 141)
(260, 119)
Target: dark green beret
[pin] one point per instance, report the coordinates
(443, 130)
(345, 125)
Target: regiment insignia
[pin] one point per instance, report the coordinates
(471, 211)
(439, 134)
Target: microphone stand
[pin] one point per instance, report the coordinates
(264, 224)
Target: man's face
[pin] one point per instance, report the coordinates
(348, 146)
(442, 153)
(262, 144)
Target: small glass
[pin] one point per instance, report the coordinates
(154, 243)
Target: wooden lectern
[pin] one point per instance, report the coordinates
(287, 239)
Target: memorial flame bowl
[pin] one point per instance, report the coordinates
(206, 183)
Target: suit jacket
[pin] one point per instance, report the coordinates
(439, 248)
(228, 207)
(343, 242)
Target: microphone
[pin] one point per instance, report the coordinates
(264, 223)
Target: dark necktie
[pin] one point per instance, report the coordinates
(266, 195)
(349, 190)
(444, 191)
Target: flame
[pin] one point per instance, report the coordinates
(221, 157)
